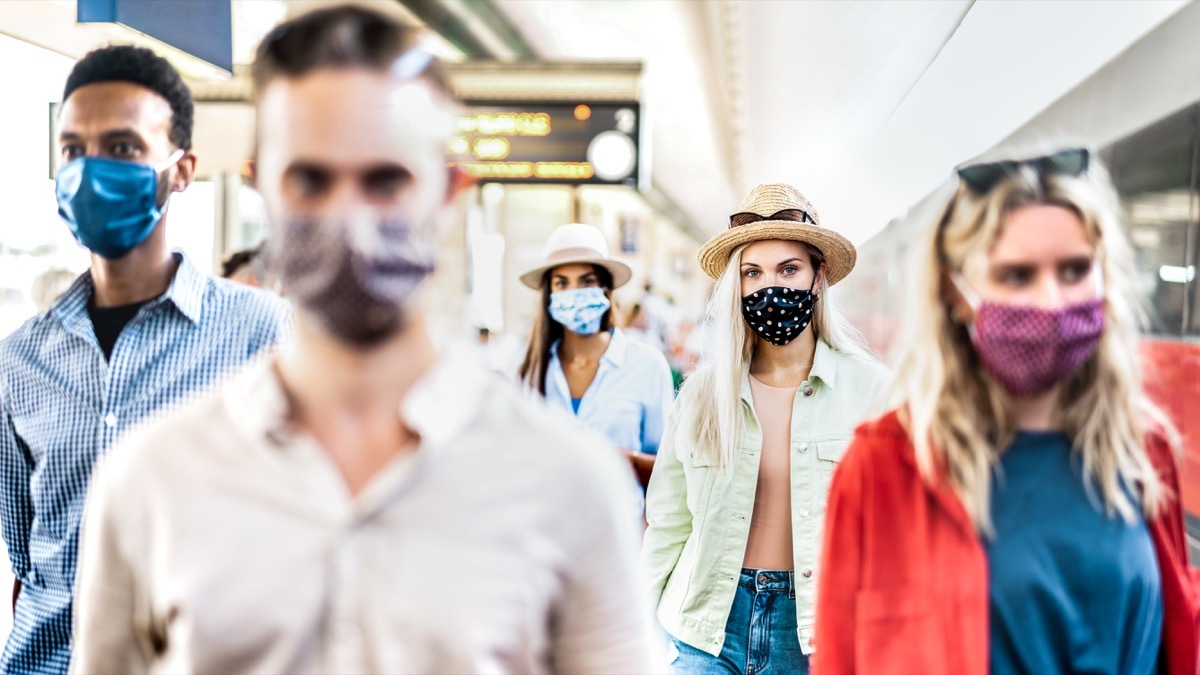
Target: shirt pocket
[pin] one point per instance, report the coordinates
(621, 421)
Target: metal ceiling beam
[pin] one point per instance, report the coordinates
(475, 27)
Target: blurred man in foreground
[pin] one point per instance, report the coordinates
(362, 503)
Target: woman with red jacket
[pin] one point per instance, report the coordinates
(1018, 510)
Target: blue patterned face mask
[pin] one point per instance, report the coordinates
(110, 205)
(579, 310)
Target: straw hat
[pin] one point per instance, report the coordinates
(577, 243)
(801, 223)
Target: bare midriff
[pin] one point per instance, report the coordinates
(769, 545)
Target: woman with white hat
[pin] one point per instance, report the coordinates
(736, 501)
(580, 361)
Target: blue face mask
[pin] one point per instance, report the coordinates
(579, 310)
(111, 206)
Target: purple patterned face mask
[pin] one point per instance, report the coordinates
(1029, 350)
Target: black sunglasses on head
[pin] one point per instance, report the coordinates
(745, 218)
(985, 176)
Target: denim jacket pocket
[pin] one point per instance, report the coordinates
(829, 455)
(699, 474)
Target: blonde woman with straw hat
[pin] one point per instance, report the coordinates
(1019, 510)
(580, 361)
(736, 500)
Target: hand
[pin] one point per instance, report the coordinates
(643, 466)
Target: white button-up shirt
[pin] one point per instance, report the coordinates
(224, 540)
(629, 399)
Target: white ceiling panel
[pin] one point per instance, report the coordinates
(863, 105)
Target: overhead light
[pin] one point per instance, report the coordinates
(1177, 275)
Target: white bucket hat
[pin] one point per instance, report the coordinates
(577, 243)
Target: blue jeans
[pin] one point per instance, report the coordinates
(760, 634)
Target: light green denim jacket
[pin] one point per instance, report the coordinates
(699, 519)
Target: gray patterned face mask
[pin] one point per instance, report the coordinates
(357, 276)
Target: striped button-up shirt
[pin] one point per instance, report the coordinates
(62, 404)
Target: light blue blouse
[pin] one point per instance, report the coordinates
(628, 400)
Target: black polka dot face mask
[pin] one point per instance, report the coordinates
(779, 314)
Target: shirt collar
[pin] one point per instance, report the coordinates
(187, 289)
(439, 407)
(442, 404)
(71, 307)
(824, 368)
(617, 346)
(186, 292)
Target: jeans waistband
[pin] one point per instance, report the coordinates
(783, 581)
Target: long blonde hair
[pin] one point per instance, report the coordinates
(959, 419)
(714, 422)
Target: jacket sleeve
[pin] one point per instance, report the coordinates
(669, 521)
(1181, 599)
(16, 503)
(841, 567)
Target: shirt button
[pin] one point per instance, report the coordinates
(110, 420)
(808, 391)
(762, 579)
(804, 447)
(807, 574)
(812, 642)
(804, 512)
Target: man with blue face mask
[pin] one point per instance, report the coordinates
(139, 332)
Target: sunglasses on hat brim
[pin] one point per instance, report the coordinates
(985, 176)
(796, 215)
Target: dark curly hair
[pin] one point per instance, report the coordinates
(126, 63)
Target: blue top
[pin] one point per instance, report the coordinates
(628, 400)
(62, 404)
(1072, 590)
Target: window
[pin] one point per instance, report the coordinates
(1154, 172)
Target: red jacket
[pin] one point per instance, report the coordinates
(904, 577)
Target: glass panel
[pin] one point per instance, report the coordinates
(33, 239)
(1192, 316)
(1152, 171)
(191, 224)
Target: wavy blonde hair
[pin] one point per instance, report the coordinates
(959, 418)
(714, 422)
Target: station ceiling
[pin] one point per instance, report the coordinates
(865, 106)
